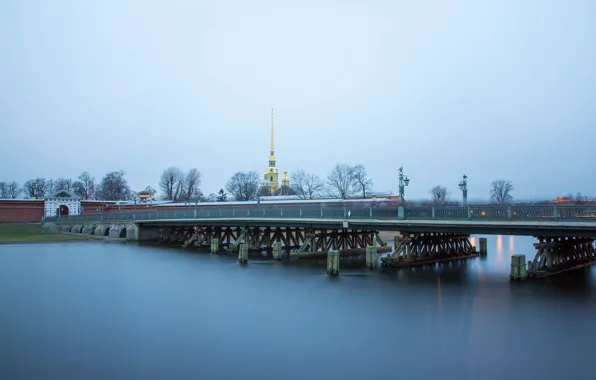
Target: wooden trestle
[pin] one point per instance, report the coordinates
(422, 248)
(559, 254)
(301, 241)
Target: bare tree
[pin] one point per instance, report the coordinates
(244, 186)
(306, 185)
(63, 184)
(113, 187)
(501, 191)
(50, 187)
(3, 190)
(78, 189)
(86, 192)
(14, 190)
(264, 191)
(285, 190)
(211, 198)
(222, 196)
(439, 195)
(341, 182)
(361, 180)
(35, 188)
(171, 183)
(190, 187)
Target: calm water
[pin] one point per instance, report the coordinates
(112, 311)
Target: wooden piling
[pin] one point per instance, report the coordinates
(371, 257)
(243, 253)
(277, 255)
(333, 262)
(214, 245)
(483, 247)
(518, 267)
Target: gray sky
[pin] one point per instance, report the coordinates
(492, 89)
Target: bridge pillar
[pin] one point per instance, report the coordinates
(277, 254)
(371, 257)
(214, 245)
(243, 253)
(132, 232)
(483, 247)
(333, 262)
(518, 267)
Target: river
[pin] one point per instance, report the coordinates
(97, 310)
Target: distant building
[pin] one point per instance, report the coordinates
(145, 196)
(270, 184)
(62, 203)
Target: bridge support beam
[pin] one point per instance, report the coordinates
(422, 248)
(306, 243)
(559, 254)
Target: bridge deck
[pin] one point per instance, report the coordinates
(510, 220)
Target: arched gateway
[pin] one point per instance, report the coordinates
(61, 204)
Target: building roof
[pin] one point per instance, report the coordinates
(63, 194)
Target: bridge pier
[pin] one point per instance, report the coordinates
(423, 248)
(559, 254)
(243, 253)
(277, 253)
(333, 262)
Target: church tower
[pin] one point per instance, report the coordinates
(285, 183)
(270, 179)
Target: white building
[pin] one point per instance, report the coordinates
(61, 204)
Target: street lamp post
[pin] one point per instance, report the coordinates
(463, 186)
(403, 182)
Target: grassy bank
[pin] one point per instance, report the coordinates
(32, 233)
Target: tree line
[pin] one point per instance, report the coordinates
(500, 193)
(113, 186)
(176, 185)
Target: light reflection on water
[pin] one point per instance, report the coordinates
(97, 311)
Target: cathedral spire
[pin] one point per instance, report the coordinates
(272, 149)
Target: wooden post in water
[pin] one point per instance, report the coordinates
(483, 249)
(277, 251)
(214, 245)
(243, 253)
(371, 257)
(518, 267)
(333, 262)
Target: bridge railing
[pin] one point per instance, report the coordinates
(472, 213)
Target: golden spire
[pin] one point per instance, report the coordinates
(272, 150)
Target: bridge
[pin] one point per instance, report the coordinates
(565, 234)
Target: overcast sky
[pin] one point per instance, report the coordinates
(493, 89)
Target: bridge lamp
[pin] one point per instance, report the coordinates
(403, 182)
(463, 186)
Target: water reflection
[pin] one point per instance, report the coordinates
(190, 315)
(499, 247)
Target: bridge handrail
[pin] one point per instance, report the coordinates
(471, 213)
